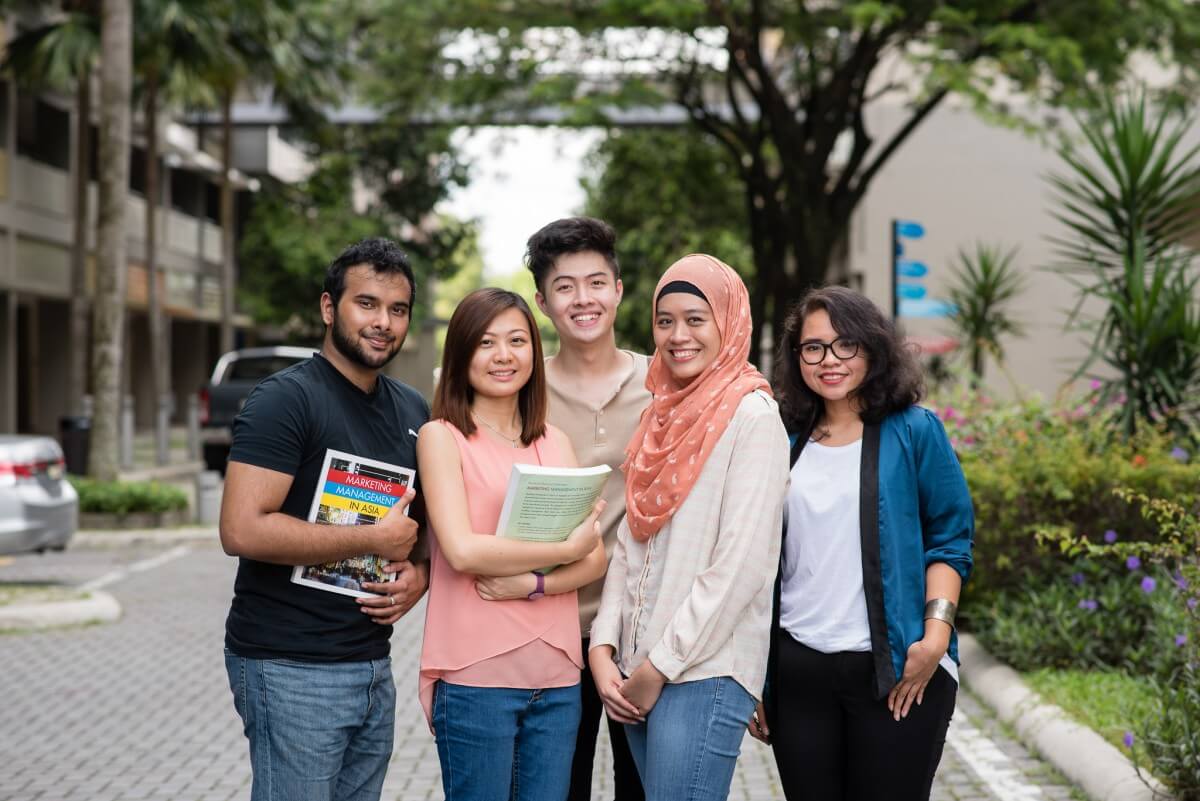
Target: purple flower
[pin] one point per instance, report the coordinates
(1180, 640)
(1095, 384)
(1148, 585)
(1077, 579)
(1180, 581)
(1088, 604)
(1128, 739)
(1193, 602)
(1133, 563)
(1110, 536)
(1179, 454)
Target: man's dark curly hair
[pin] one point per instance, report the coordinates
(570, 235)
(894, 380)
(382, 255)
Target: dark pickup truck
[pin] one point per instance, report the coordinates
(232, 379)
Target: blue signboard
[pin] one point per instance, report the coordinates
(926, 307)
(909, 298)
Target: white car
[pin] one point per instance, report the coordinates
(39, 509)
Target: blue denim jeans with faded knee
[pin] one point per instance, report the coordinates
(688, 747)
(318, 731)
(504, 744)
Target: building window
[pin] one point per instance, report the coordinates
(43, 132)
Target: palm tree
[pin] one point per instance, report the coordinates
(116, 81)
(288, 47)
(61, 55)
(984, 284)
(1127, 195)
(176, 43)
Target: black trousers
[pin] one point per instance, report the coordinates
(835, 741)
(627, 783)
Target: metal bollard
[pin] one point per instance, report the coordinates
(162, 430)
(208, 497)
(126, 433)
(193, 427)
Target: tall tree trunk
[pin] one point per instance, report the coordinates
(116, 71)
(228, 271)
(159, 332)
(77, 372)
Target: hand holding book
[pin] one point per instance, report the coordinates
(554, 504)
(584, 538)
(397, 531)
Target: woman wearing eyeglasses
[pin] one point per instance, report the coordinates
(877, 543)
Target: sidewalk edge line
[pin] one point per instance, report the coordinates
(1091, 763)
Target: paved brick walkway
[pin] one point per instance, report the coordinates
(140, 709)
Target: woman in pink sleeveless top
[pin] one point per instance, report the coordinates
(501, 657)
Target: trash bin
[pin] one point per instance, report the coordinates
(208, 497)
(75, 433)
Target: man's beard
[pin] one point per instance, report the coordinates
(354, 351)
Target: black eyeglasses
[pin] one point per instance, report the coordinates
(813, 352)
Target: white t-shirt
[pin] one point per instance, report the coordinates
(822, 602)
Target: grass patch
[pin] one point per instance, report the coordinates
(27, 593)
(1106, 701)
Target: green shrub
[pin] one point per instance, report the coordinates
(1032, 465)
(127, 497)
(1168, 737)
(1170, 734)
(1095, 617)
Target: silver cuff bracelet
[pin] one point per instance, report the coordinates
(941, 609)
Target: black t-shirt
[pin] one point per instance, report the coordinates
(288, 422)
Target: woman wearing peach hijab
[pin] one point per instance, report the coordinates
(679, 646)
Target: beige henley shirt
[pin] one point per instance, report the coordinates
(599, 436)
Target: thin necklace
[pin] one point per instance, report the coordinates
(511, 440)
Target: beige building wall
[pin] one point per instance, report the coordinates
(965, 180)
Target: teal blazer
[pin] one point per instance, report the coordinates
(914, 510)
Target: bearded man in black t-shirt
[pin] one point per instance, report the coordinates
(309, 669)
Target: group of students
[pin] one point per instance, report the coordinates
(785, 558)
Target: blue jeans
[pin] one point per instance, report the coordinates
(318, 731)
(688, 747)
(502, 744)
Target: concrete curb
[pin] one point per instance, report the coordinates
(98, 607)
(1093, 764)
(163, 536)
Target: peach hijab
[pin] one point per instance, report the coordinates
(682, 424)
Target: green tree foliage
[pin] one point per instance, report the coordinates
(295, 231)
(1128, 197)
(291, 236)
(785, 87)
(667, 193)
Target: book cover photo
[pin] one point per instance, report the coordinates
(352, 491)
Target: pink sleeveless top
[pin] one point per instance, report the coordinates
(470, 641)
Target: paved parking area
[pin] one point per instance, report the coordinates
(140, 709)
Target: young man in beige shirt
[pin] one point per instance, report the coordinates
(597, 394)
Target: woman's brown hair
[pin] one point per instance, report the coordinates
(454, 395)
(893, 381)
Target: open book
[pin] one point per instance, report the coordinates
(545, 504)
(352, 491)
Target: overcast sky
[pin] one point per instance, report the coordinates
(522, 178)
